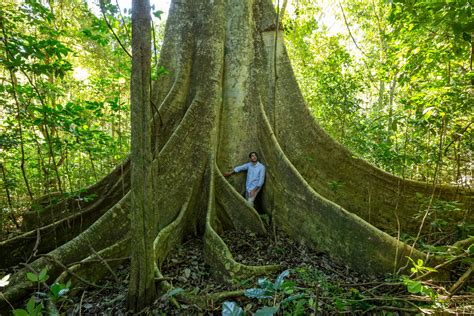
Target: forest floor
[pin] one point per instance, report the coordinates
(308, 283)
(314, 284)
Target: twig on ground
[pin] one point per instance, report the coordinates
(59, 263)
(80, 302)
(35, 248)
(461, 281)
(104, 263)
(97, 260)
(8, 302)
(441, 265)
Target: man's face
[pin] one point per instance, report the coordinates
(253, 158)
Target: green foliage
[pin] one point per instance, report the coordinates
(65, 113)
(231, 309)
(32, 309)
(58, 291)
(400, 91)
(335, 186)
(439, 216)
(64, 118)
(419, 267)
(42, 276)
(173, 292)
(417, 287)
(281, 294)
(44, 302)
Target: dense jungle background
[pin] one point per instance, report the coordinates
(393, 81)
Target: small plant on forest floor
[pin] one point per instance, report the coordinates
(439, 217)
(415, 286)
(41, 301)
(327, 296)
(282, 296)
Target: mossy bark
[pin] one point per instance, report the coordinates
(141, 292)
(215, 105)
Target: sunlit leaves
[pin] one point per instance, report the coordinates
(406, 85)
(78, 126)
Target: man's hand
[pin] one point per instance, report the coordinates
(228, 174)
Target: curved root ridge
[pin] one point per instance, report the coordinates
(326, 226)
(218, 255)
(241, 214)
(106, 231)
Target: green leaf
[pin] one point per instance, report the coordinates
(55, 288)
(58, 290)
(292, 298)
(288, 287)
(162, 71)
(279, 280)
(257, 293)
(20, 312)
(266, 284)
(158, 14)
(340, 304)
(43, 275)
(30, 306)
(266, 311)
(231, 309)
(413, 287)
(174, 291)
(32, 277)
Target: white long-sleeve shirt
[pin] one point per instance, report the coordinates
(255, 174)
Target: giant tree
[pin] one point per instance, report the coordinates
(229, 90)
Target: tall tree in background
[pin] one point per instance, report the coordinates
(215, 106)
(142, 281)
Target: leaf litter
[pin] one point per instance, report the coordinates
(331, 286)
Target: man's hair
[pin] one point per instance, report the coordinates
(253, 152)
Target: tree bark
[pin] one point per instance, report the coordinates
(142, 286)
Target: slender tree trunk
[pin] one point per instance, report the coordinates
(142, 285)
(472, 56)
(9, 200)
(19, 118)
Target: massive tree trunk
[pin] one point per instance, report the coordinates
(219, 101)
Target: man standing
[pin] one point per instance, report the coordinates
(255, 176)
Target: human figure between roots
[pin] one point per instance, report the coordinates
(255, 176)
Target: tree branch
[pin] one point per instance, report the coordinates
(102, 10)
